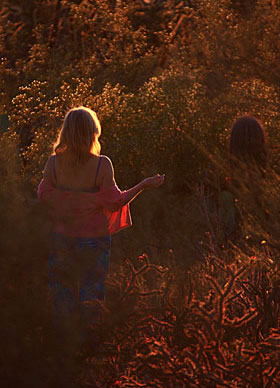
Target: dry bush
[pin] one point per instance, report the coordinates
(226, 333)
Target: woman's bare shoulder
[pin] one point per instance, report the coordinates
(49, 164)
(107, 171)
(106, 163)
(49, 173)
(105, 159)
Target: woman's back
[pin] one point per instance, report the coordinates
(81, 177)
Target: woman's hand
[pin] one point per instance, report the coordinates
(148, 183)
(153, 181)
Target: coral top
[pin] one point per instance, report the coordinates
(86, 214)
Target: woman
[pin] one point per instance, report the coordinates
(248, 158)
(86, 206)
(248, 145)
(240, 182)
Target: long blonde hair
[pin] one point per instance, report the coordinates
(79, 135)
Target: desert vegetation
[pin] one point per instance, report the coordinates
(185, 307)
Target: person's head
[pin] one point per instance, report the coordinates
(248, 143)
(79, 135)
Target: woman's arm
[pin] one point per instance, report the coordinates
(109, 179)
(148, 183)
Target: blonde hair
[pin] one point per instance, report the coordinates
(79, 135)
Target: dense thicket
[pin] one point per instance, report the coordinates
(159, 75)
(167, 79)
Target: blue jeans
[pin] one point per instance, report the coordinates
(77, 268)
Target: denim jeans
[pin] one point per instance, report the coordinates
(77, 268)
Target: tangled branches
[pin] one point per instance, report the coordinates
(227, 333)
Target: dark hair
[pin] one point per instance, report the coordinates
(248, 142)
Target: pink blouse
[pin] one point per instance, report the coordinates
(85, 214)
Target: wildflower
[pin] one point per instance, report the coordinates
(144, 256)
